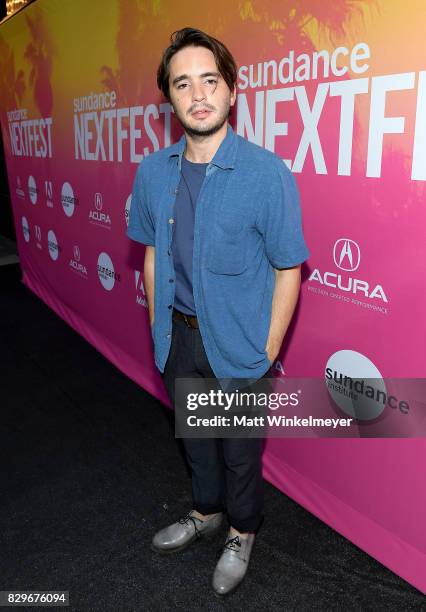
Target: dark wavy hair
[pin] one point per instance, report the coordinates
(192, 37)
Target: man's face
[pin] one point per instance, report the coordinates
(196, 85)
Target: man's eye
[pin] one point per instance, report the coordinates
(211, 81)
(181, 85)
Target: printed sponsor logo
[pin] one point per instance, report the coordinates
(76, 264)
(346, 254)
(357, 386)
(106, 272)
(68, 200)
(342, 285)
(48, 188)
(53, 245)
(25, 229)
(32, 190)
(127, 210)
(140, 290)
(97, 216)
(37, 233)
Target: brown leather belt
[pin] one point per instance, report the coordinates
(190, 320)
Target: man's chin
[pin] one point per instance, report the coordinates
(203, 130)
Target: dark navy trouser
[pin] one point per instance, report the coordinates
(226, 472)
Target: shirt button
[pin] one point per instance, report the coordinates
(168, 336)
(171, 280)
(171, 220)
(169, 306)
(168, 252)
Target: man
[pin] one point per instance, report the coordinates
(221, 220)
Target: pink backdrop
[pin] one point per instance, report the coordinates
(355, 138)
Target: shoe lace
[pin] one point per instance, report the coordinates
(230, 544)
(187, 519)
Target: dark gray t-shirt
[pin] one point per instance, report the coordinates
(191, 180)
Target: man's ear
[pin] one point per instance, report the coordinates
(234, 95)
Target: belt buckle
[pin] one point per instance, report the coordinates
(186, 320)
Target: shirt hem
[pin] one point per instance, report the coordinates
(138, 238)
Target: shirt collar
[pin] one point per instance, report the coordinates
(224, 156)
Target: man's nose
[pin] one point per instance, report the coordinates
(198, 92)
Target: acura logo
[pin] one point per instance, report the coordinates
(346, 254)
(98, 201)
(49, 189)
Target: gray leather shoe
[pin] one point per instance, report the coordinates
(181, 534)
(232, 565)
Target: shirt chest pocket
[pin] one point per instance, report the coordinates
(227, 253)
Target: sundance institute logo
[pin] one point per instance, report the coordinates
(32, 190)
(357, 386)
(53, 245)
(25, 229)
(68, 200)
(106, 272)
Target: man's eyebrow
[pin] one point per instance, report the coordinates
(182, 77)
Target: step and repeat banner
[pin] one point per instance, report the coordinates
(338, 91)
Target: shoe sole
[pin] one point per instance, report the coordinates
(168, 551)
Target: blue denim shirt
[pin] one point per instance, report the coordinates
(247, 222)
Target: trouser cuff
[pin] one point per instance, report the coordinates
(208, 508)
(252, 523)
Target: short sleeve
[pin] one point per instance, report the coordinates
(141, 224)
(279, 221)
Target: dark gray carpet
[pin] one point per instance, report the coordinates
(90, 469)
(8, 252)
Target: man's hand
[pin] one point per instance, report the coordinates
(272, 351)
(286, 293)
